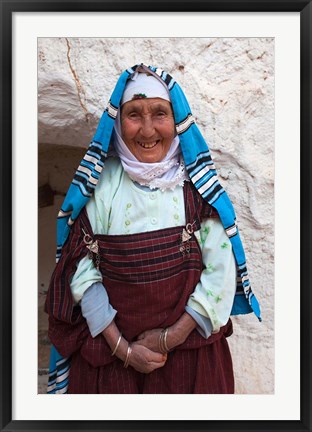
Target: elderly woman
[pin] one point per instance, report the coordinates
(151, 264)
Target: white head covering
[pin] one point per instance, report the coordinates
(142, 86)
(169, 172)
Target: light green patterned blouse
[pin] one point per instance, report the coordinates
(119, 206)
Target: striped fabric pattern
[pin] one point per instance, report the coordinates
(165, 263)
(58, 374)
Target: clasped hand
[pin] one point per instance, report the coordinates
(145, 351)
(146, 355)
(177, 334)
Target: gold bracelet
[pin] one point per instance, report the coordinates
(129, 351)
(165, 340)
(163, 348)
(117, 344)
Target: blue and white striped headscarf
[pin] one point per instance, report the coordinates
(199, 165)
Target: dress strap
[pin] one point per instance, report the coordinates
(84, 226)
(196, 209)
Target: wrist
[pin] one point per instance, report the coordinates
(121, 352)
(174, 338)
(112, 336)
(180, 330)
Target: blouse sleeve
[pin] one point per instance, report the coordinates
(85, 275)
(96, 309)
(214, 294)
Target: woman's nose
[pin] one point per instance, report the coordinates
(147, 127)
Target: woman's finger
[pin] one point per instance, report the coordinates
(156, 365)
(158, 358)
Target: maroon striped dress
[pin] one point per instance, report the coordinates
(149, 277)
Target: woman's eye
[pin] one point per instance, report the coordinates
(133, 115)
(160, 114)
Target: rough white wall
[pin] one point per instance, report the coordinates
(229, 83)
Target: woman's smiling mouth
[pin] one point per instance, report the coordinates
(148, 145)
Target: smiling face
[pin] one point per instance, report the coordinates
(147, 128)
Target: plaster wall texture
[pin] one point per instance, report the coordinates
(229, 83)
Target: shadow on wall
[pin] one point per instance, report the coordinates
(63, 113)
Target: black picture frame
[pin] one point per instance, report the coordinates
(7, 9)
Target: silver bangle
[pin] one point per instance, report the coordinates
(117, 345)
(129, 351)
